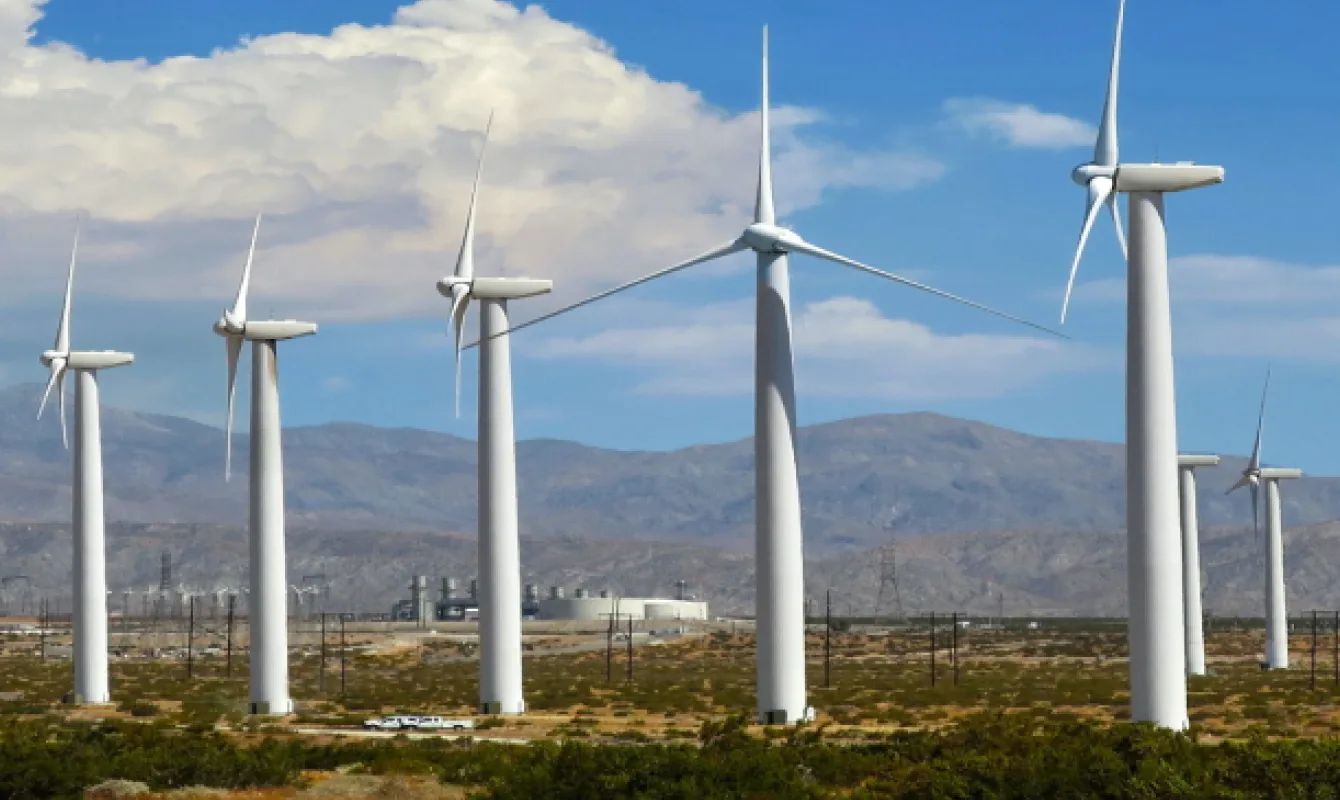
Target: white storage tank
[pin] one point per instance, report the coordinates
(675, 609)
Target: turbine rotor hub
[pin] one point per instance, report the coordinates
(765, 237)
(447, 287)
(50, 357)
(1085, 173)
(230, 326)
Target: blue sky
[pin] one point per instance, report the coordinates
(911, 146)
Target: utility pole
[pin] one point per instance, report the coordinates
(232, 606)
(321, 680)
(609, 650)
(630, 648)
(1335, 658)
(953, 647)
(1312, 670)
(828, 636)
(932, 649)
(342, 683)
(42, 632)
(190, 638)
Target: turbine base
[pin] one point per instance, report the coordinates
(779, 717)
(266, 708)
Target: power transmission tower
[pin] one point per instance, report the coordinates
(888, 567)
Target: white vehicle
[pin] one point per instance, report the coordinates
(438, 723)
(380, 724)
(406, 720)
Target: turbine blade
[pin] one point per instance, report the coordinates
(60, 404)
(763, 207)
(240, 304)
(1260, 421)
(1116, 220)
(460, 301)
(800, 246)
(465, 261)
(63, 329)
(234, 344)
(717, 252)
(1099, 190)
(51, 383)
(1245, 480)
(1105, 149)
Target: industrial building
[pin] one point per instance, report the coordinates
(453, 605)
(582, 606)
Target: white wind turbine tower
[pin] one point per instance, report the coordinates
(268, 608)
(1154, 559)
(1191, 606)
(778, 541)
(499, 548)
(1277, 618)
(90, 554)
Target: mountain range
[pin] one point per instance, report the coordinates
(913, 473)
(982, 516)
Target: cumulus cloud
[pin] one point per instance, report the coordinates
(1017, 124)
(360, 145)
(1246, 306)
(844, 347)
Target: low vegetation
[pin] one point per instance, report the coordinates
(1031, 714)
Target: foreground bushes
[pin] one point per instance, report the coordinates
(986, 756)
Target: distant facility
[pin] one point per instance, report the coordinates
(582, 606)
(452, 604)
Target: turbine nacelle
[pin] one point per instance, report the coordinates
(270, 330)
(766, 237)
(97, 359)
(1166, 178)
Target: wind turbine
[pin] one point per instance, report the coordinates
(499, 547)
(1277, 619)
(89, 618)
(269, 611)
(1191, 606)
(778, 540)
(1154, 560)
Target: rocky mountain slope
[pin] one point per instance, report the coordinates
(1039, 572)
(920, 473)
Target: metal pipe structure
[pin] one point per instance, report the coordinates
(778, 545)
(268, 616)
(1192, 615)
(499, 546)
(1154, 553)
(89, 623)
(1277, 617)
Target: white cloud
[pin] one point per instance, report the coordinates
(1245, 306)
(360, 144)
(1017, 124)
(844, 347)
